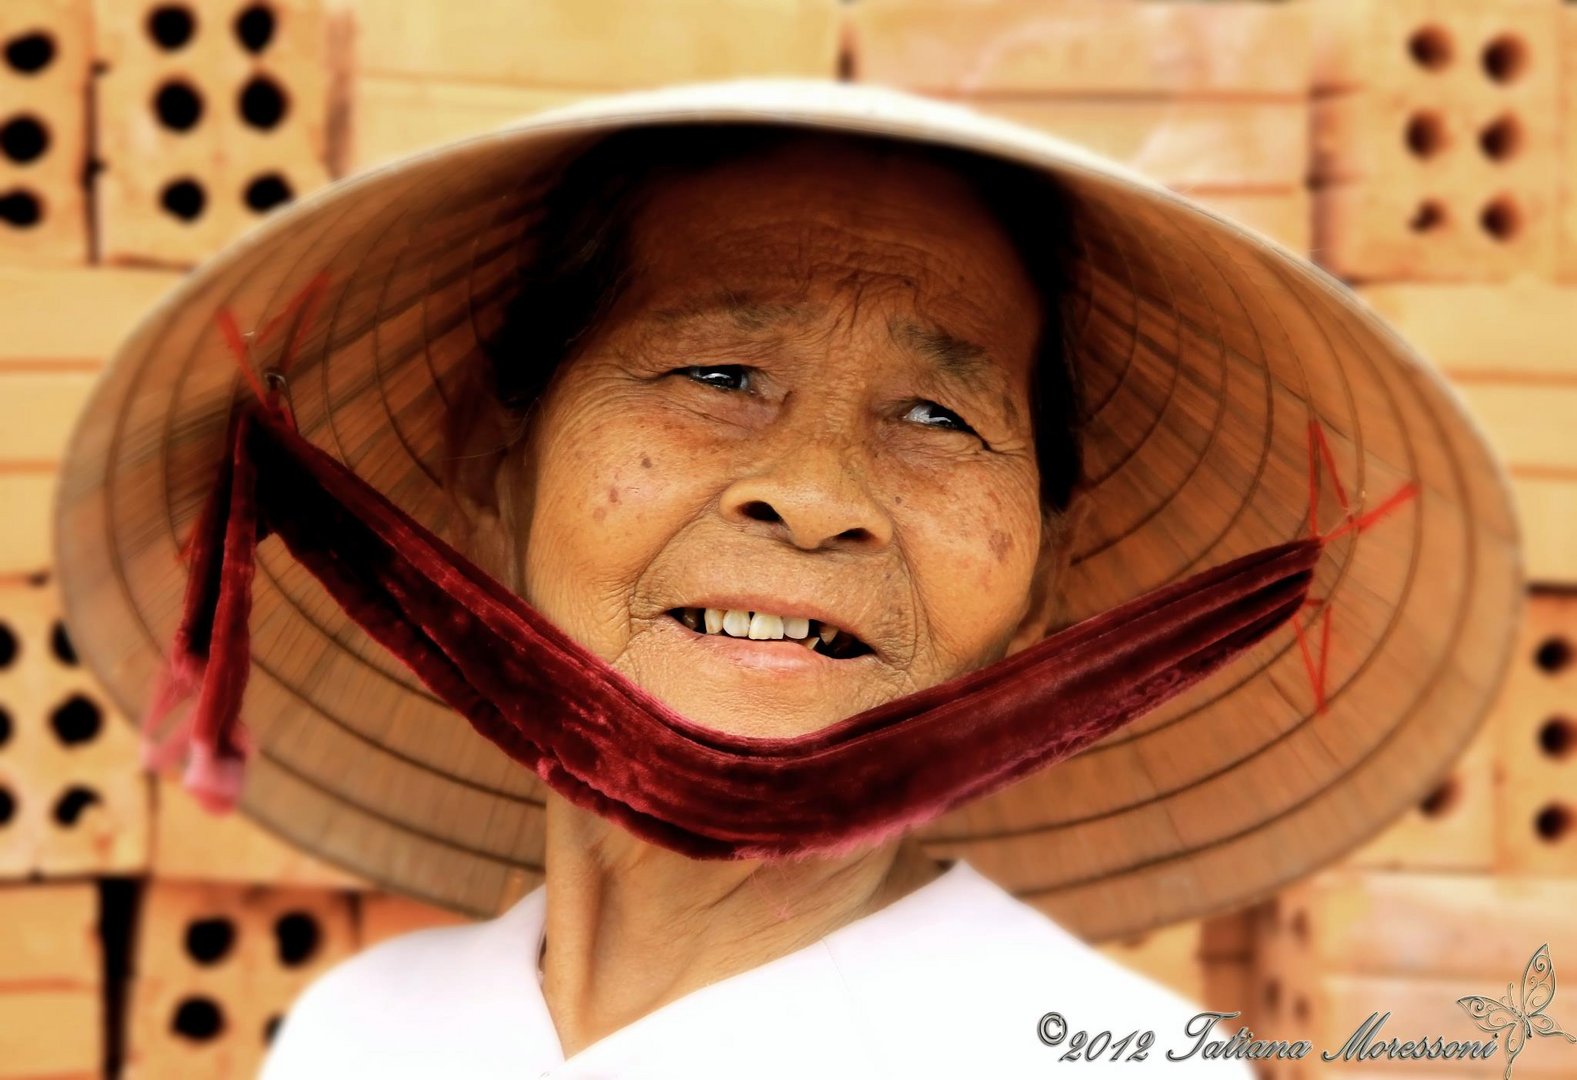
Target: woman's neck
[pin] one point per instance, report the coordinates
(631, 926)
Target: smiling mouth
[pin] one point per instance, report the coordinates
(812, 634)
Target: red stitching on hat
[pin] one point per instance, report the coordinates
(1320, 449)
(308, 299)
(231, 332)
(305, 302)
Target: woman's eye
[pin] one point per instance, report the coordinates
(934, 415)
(724, 377)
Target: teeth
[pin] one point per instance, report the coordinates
(759, 625)
(764, 627)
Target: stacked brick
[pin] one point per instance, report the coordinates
(1435, 142)
(217, 967)
(60, 325)
(1211, 99)
(428, 73)
(210, 114)
(1509, 348)
(52, 1002)
(45, 53)
(1537, 727)
(72, 801)
(1566, 165)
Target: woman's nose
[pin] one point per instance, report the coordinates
(811, 495)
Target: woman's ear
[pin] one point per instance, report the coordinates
(480, 479)
(1047, 602)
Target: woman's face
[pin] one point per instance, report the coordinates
(812, 401)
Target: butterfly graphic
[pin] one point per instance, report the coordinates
(1514, 1023)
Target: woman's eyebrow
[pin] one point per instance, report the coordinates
(953, 356)
(744, 312)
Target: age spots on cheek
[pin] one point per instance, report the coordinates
(600, 512)
(646, 462)
(1001, 543)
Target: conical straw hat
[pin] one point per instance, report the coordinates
(1215, 364)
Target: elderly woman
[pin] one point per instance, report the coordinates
(770, 453)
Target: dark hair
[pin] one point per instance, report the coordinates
(580, 248)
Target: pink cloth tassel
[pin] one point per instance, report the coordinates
(211, 653)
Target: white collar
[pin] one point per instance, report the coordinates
(521, 930)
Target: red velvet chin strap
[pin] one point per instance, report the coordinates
(604, 743)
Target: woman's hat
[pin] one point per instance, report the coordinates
(1238, 397)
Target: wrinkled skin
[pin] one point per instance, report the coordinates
(770, 415)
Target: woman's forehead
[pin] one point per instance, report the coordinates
(812, 229)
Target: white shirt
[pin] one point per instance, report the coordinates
(951, 980)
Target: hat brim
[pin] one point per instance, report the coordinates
(1206, 351)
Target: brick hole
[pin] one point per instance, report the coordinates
(1501, 140)
(1430, 47)
(184, 199)
(5, 727)
(1553, 823)
(254, 27)
(7, 646)
(1442, 800)
(1557, 737)
(209, 941)
(263, 104)
(1505, 58)
(1426, 134)
(267, 191)
(60, 644)
(7, 806)
(1430, 216)
(1553, 655)
(20, 208)
(69, 807)
(76, 720)
(24, 139)
(171, 26)
(297, 936)
(1501, 218)
(30, 53)
(178, 106)
(198, 1018)
(271, 1028)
